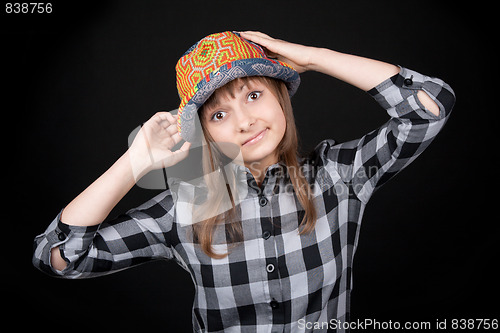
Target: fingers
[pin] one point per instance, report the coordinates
(268, 43)
(176, 138)
(255, 34)
(161, 131)
(177, 155)
(186, 146)
(256, 37)
(164, 117)
(171, 129)
(184, 149)
(166, 121)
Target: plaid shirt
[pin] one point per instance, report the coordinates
(275, 280)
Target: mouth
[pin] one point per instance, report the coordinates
(256, 138)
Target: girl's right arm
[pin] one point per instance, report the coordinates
(150, 150)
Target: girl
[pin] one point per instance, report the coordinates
(267, 237)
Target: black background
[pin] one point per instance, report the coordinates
(78, 80)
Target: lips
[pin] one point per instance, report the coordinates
(256, 138)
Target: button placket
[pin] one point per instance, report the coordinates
(266, 234)
(270, 268)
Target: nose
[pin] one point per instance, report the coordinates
(244, 119)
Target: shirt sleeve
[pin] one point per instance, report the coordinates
(140, 235)
(370, 161)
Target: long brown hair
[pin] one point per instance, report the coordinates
(203, 232)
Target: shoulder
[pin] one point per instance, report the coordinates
(316, 156)
(322, 159)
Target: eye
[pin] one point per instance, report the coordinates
(254, 95)
(218, 116)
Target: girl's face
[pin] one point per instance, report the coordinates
(250, 118)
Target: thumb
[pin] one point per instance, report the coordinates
(185, 147)
(178, 155)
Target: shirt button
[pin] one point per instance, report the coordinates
(266, 234)
(262, 201)
(274, 304)
(408, 81)
(61, 236)
(270, 268)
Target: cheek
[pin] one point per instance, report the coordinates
(224, 143)
(220, 133)
(279, 123)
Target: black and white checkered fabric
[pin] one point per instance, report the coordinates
(275, 280)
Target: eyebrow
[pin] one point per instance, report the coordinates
(218, 102)
(214, 103)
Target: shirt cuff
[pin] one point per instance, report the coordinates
(398, 95)
(73, 242)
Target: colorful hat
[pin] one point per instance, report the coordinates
(214, 61)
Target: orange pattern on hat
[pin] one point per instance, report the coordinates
(211, 53)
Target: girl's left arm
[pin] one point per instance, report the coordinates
(360, 72)
(418, 106)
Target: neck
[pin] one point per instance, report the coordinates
(259, 168)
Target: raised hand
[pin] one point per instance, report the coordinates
(152, 147)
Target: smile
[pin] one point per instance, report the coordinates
(255, 139)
